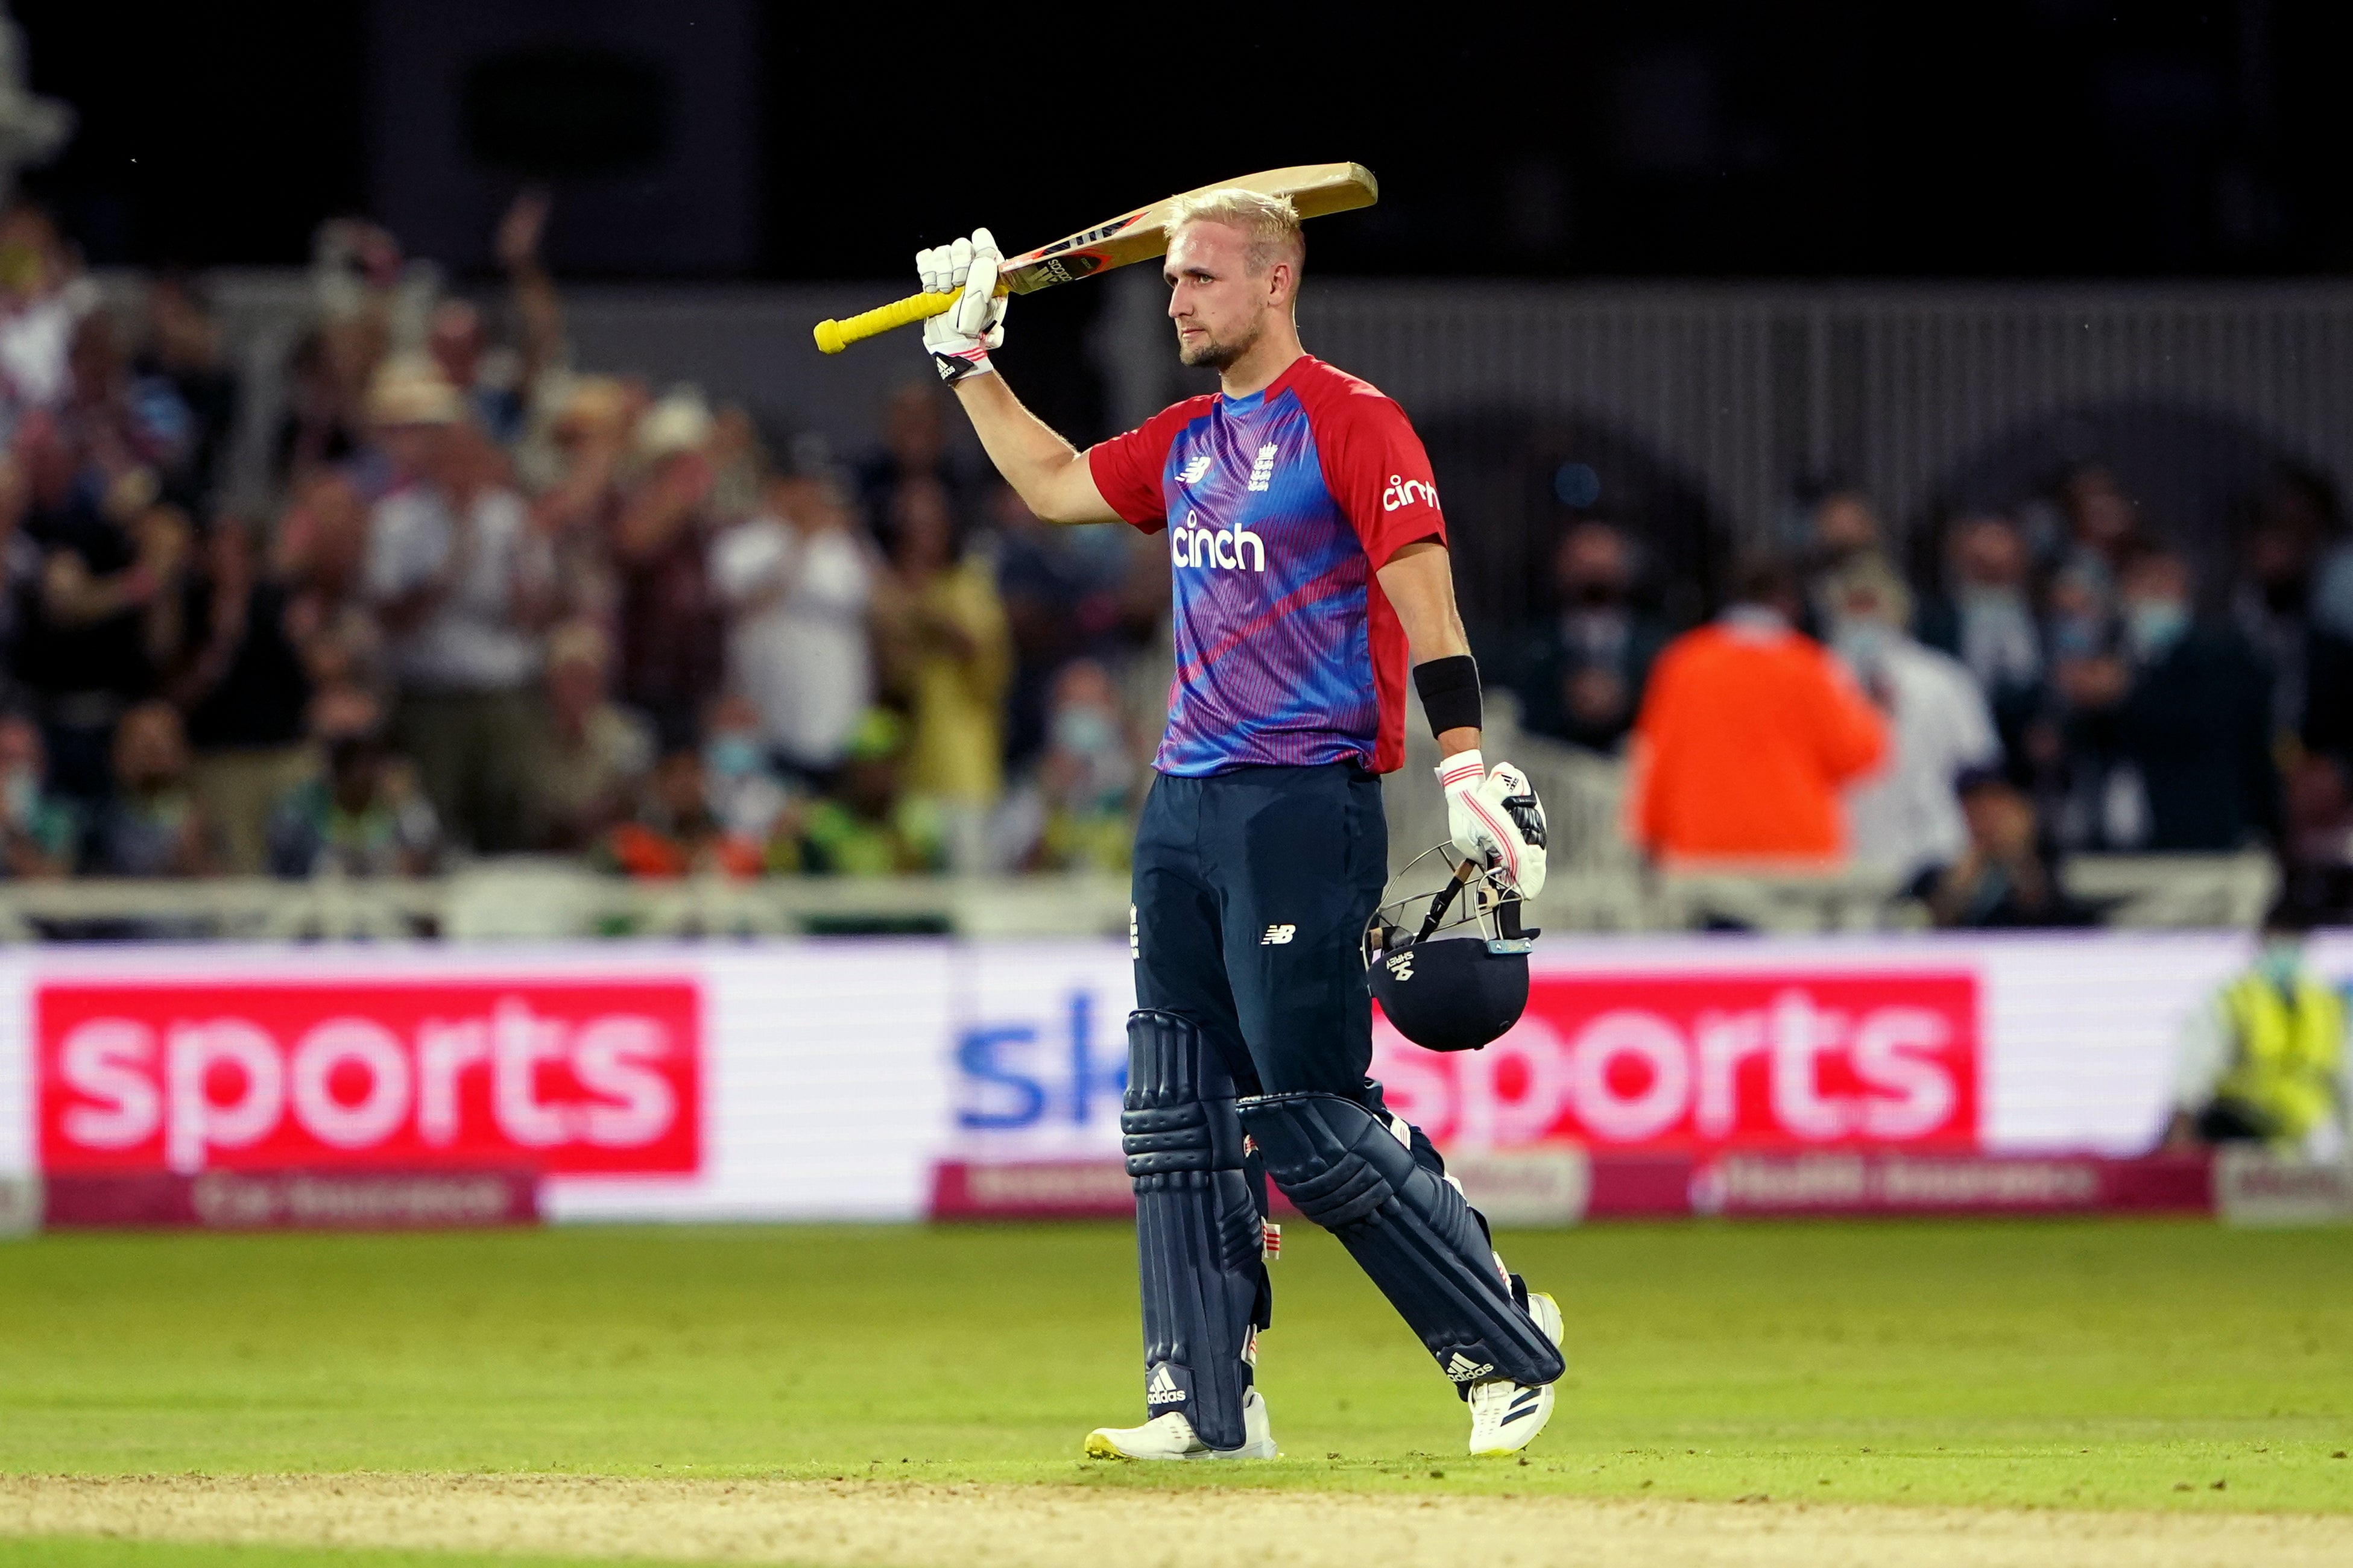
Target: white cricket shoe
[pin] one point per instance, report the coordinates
(1171, 1437)
(1505, 1416)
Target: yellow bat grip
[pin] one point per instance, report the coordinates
(832, 337)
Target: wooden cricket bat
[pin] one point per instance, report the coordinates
(1314, 188)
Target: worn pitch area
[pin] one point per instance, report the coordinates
(919, 1524)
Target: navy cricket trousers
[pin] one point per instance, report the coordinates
(1251, 891)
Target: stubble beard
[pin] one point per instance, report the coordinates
(1211, 354)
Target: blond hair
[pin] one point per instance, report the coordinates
(1271, 224)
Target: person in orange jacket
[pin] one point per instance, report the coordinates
(1746, 734)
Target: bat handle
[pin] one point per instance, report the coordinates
(832, 336)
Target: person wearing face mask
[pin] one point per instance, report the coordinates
(2194, 721)
(1907, 817)
(1987, 621)
(2264, 1059)
(1075, 810)
(1582, 675)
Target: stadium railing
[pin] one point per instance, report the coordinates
(526, 900)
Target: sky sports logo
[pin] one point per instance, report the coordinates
(1216, 549)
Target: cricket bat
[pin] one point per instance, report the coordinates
(1314, 189)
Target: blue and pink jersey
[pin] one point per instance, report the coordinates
(1279, 508)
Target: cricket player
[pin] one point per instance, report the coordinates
(1309, 558)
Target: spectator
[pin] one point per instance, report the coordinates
(461, 585)
(744, 789)
(247, 694)
(42, 297)
(2273, 603)
(914, 450)
(1844, 529)
(324, 425)
(133, 431)
(578, 506)
(1582, 676)
(2194, 721)
(1747, 736)
(1076, 811)
(38, 837)
(672, 636)
(2104, 530)
(2263, 1060)
(599, 752)
(1906, 819)
(321, 556)
(676, 832)
(20, 575)
(155, 825)
(110, 604)
(183, 349)
(796, 583)
(1988, 622)
(2003, 879)
(364, 816)
(869, 826)
(948, 654)
(1066, 595)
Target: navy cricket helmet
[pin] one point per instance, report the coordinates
(1451, 985)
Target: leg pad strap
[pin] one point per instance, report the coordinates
(1406, 1228)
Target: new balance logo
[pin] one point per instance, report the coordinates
(1229, 548)
(1276, 936)
(1194, 470)
(1462, 1369)
(1262, 468)
(1162, 1388)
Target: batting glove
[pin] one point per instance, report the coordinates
(1496, 820)
(961, 337)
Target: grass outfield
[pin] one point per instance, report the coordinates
(2140, 1365)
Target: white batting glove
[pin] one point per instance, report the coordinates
(1496, 820)
(960, 339)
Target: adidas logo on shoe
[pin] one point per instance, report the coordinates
(1462, 1369)
(1162, 1388)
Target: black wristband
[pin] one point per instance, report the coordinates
(1449, 692)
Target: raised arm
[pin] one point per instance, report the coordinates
(1050, 476)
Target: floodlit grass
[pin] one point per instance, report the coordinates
(2079, 1364)
(68, 1551)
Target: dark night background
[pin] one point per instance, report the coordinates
(2010, 138)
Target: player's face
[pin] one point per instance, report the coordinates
(1220, 308)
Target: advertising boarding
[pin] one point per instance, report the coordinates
(861, 1078)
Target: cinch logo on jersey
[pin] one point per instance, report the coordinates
(1162, 1389)
(1403, 492)
(1215, 547)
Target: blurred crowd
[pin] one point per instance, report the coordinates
(497, 604)
(2061, 680)
(493, 602)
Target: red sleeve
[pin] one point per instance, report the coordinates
(1375, 467)
(1127, 468)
